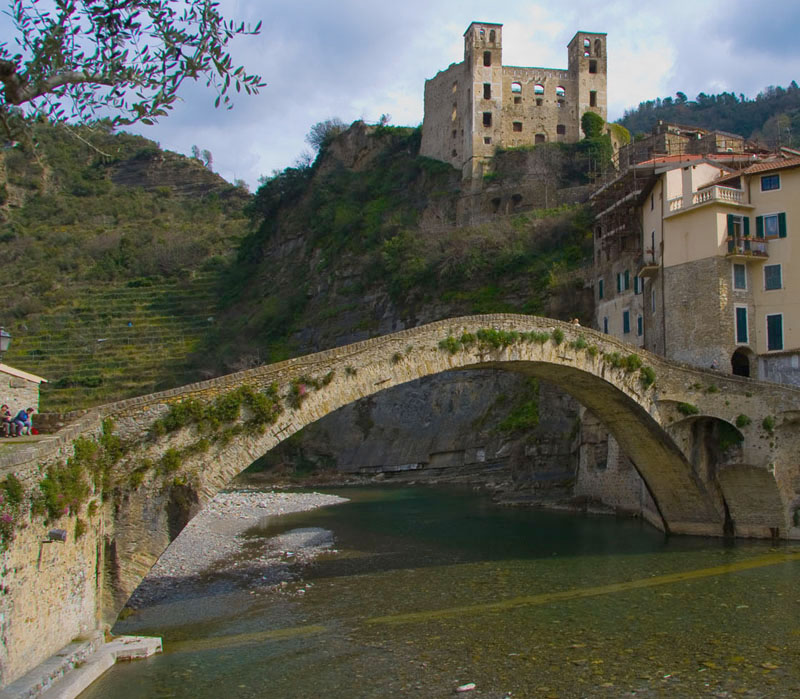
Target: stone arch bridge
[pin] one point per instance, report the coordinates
(667, 417)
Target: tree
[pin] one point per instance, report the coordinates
(323, 132)
(127, 59)
(592, 125)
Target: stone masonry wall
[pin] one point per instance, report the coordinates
(17, 393)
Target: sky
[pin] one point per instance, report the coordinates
(354, 59)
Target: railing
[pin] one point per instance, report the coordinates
(727, 195)
(740, 245)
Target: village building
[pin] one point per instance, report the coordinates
(19, 389)
(478, 105)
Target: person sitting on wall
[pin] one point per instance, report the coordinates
(5, 421)
(22, 423)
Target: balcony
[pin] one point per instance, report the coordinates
(723, 195)
(648, 265)
(742, 249)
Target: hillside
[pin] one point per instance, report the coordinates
(772, 117)
(110, 258)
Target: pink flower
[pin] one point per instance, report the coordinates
(66, 510)
(301, 389)
(6, 518)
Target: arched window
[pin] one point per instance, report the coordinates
(482, 33)
(492, 35)
(560, 91)
(487, 58)
(538, 89)
(598, 47)
(539, 138)
(516, 88)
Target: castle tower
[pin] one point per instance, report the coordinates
(483, 58)
(588, 70)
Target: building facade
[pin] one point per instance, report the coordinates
(475, 106)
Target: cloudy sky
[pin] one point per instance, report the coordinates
(355, 59)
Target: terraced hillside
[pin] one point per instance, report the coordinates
(111, 341)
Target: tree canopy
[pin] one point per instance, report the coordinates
(118, 59)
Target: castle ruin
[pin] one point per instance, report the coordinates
(477, 105)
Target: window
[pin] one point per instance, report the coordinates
(772, 277)
(775, 332)
(487, 118)
(560, 91)
(627, 279)
(586, 43)
(487, 91)
(739, 277)
(605, 325)
(538, 89)
(639, 326)
(487, 140)
(741, 325)
(492, 35)
(539, 138)
(598, 47)
(626, 322)
(517, 126)
(592, 98)
(516, 88)
(539, 101)
(600, 288)
(455, 133)
(487, 58)
(638, 285)
(561, 129)
(652, 300)
(619, 282)
(771, 226)
(770, 182)
(592, 66)
(517, 99)
(652, 203)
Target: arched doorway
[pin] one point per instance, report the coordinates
(740, 363)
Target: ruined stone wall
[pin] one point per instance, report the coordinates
(447, 127)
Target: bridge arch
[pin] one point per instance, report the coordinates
(616, 384)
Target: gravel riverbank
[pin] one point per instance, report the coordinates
(211, 547)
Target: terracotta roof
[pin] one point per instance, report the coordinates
(21, 374)
(772, 165)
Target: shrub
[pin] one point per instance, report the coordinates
(397, 357)
(769, 424)
(450, 344)
(80, 528)
(579, 343)
(632, 362)
(742, 420)
(688, 409)
(592, 350)
(557, 335)
(647, 376)
(171, 460)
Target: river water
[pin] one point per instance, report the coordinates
(433, 589)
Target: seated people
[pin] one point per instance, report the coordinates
(22, 423)
(5, 421)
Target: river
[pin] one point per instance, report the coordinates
(434, 589)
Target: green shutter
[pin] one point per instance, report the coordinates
(730, 225)
(759, 226)
(746, 220)
(782, 225)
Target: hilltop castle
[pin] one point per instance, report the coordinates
(479, 104)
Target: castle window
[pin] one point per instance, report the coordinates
(539, 138)
(539, 101)
(496, 204)
(492, 35)
(455, 133)
(487, 118)
(487, 91)
(517, 99)
(586, 43)
(483, 33)
(487, 140)
(592, 66)
(538, 89)
(598, 47)
(592, 98)
(455, 153)
(516, 199)
(561, 130)
(560, 103)
(516, 88)
(517, 125)
(487, 58)
(560, 91)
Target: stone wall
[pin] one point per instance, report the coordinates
(18, 393)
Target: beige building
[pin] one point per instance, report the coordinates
(695, 261)
(479, 104)
(19, 389)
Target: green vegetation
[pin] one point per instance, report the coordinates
(647, 376)
(727, 436)
(773, 117)
(769, 424)
(524, 413)
(742, 420)
(688, 409)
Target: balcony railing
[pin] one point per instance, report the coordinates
(727, 195)
(740, 246)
